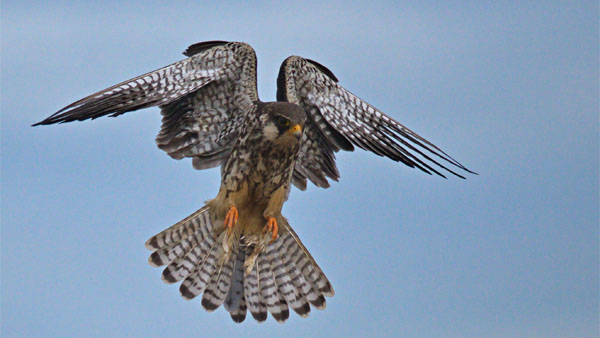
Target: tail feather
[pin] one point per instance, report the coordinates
(309, 267)
(239, 314)
(188, 226)
(284, 312)
(261, 277)
(287, 288)
(295, 260)
(196, 283)
(268, 289)
(184, 266)
(252, 294)
(163, 256)
(219, 285)
(236, 291)
(294, 254)
(262, 308)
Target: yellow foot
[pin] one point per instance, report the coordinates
(272, 227)
(230, 219)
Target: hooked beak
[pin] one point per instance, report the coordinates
(296, 130)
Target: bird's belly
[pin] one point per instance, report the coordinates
(249, 200)
(251, 184)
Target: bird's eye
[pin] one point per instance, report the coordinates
(282, 121)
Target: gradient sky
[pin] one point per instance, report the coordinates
(508, 89)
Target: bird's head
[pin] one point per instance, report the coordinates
(283, 123)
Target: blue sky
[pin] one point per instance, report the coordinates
(508, 89)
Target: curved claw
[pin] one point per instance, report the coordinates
(231, 219)
(272, 227)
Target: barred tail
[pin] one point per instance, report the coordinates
(250, 275)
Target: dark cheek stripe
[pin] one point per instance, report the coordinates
(281, 129)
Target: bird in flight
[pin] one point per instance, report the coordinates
(239, 250)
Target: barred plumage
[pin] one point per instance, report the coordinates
(188, 226)
(205, 97)
(219, 285)
(239, 314)
(236, 291)
(211, 113)
(268, 286)
(283, 275)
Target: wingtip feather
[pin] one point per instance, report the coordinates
(151, 244)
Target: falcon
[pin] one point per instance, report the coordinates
(239, 250)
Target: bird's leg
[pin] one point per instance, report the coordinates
(272, 227)
(273, 211)
(231, 219)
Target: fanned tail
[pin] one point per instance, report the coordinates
(242, 273)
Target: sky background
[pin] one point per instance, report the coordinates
(510, 89)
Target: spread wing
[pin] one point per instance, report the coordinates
(203, 100)
(340, 120)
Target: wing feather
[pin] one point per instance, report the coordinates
(339, 119)
(203, 100)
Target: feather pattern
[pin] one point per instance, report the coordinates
(260, 278)
(205, 97)
(202, 228)
(236, 291)
(220, 283)
(198, 221)
(253, 296)
(185, 255)
(292, 295)
(339, 114)
(292, 254)
(181, 268)
(238, 315)
(268, 287)
(203, 100)
(307, 263)
(197, 281)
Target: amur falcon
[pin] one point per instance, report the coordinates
(239, 250)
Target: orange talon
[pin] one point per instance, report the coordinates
(272, 227)
(230, 219)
